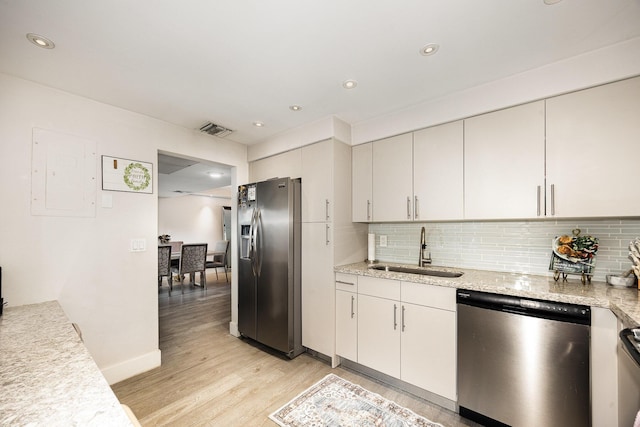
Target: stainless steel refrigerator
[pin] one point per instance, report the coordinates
(269, 237)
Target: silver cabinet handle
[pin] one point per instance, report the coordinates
(416, 208)
(345, 283)
(553, 199)
(326, 208)
(368, 210)
(327, 234)
(353, 313)
(395, 320)
(403, 308)
(538, 198)
(408, 207)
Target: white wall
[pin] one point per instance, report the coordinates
(192, 219)
(593, 68)
(85, 263)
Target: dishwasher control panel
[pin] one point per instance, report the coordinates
(527, 306)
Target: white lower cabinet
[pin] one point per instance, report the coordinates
(317, 288)
(405, 330)
(379, 334)
(347, 316)
(428, 349)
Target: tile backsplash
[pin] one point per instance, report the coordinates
(513, 246)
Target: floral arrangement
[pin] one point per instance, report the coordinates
(164, 238)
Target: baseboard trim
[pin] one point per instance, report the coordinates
(233, 329)
(402, 385)
(129, 368)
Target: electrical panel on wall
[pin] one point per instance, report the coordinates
(63, 175)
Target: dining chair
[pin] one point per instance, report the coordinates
(164, 265)
(193, 258)
(220, 257)
(175, 248)
(176, 245)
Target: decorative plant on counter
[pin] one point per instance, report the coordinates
(164, 239)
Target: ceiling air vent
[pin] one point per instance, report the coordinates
(216, 130)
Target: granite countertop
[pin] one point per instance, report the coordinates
(623, 302)
(48, 376)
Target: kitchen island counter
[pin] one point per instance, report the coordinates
(623, 302)
(48, 376)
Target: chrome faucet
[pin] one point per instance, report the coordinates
(422, 261)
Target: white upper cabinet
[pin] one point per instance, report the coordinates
(570, 156)
(362, 192)
(504, 163)
(593, 151)
(393, 179)
(317, 182)
(438, 172)
(279, 166)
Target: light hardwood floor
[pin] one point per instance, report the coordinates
(210, 378)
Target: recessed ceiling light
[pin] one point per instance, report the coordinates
(258, 124)
(552, 1)
(295, 107)
(216, 174)
(349, 84)
(40, 41)
(429, 49)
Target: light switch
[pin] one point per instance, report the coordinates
(138, 245)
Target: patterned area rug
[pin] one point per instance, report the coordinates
(334, 401)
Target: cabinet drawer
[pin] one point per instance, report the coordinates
(429, 295)
(347, 282)
(382, 288)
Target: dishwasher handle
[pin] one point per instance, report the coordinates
(564, 312)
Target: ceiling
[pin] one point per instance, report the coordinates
(182, 177)
(237, 62)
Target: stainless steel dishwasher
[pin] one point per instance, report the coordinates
(523, 362)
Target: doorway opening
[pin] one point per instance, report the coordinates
(194, 205)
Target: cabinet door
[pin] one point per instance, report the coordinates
(317, 182)
(318, 288)
(280, 165)
(593, 151)
(347, 325)
(362, 182)
(393, 179)
(379, 334)
(438, 172)
(504, 163)
(428, 349)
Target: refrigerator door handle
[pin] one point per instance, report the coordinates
(252, 246)
(258, 243)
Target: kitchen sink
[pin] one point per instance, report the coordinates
(416, 270)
